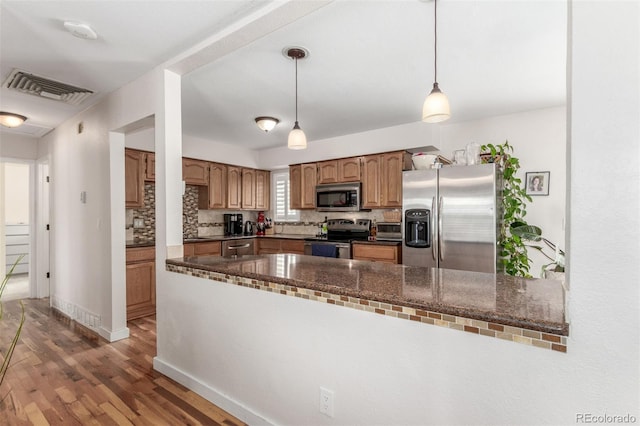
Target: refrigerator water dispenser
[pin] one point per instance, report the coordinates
(417, 228)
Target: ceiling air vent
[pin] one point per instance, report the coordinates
(45, 88)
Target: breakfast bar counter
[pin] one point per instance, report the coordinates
(529, 311)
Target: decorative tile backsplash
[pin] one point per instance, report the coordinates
(146, 213)
(190, 212)
(209, 223)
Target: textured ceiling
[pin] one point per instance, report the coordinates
(370, 64)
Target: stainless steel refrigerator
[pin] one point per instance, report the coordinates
(451, 217)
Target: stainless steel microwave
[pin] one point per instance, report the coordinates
(339, 197)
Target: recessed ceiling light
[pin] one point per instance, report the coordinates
(80, 30)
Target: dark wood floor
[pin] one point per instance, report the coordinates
(62, 375)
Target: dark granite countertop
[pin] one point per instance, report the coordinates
(533, 304)
(379, 242)
(225, 238)
(150, 243)
(140, 243)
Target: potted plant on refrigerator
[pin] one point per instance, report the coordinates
(512, 250)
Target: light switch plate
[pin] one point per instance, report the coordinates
(138, 223)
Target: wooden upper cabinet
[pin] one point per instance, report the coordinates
(214, 196)
(328, 172)
(295, 186)
(248, 188)
(371, 181)
(263, 189)
(302, 181)
(392, 165)
(149, 166)
(195, 172)
(337, 171)
(309, 181)
(133, 178)
(349, 169)
(382, 179)
(234, 187)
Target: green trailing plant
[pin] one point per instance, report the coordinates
(533, 233)
(6, 357)
(512, 251)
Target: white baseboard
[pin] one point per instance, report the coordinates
(88, 319)
(210, 394)
(112, 336)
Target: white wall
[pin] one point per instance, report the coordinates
(18, 146)
(143, 139)
(81, 234)
(405, 136)
(265, 356)
(209, 150)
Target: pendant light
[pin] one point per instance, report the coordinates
(436, 106)
(9, 119)
(297, 138)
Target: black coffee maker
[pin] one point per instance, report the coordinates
(233, 224)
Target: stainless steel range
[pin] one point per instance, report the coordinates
(340, 233)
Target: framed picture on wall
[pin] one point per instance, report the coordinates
(537, 183)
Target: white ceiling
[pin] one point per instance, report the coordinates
(370, 63)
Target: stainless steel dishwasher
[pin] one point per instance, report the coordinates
(238, 247)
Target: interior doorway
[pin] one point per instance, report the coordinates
(16, 223)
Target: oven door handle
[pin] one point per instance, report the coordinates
(239, 247)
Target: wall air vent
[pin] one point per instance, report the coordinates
(46, 88)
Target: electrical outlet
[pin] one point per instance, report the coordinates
(138, 223)
(326, 401)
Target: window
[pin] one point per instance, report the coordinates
(281, 197)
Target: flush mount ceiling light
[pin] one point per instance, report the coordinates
(266, 123)
(297, 138)
(9, 119)
(80, 30)
(436, 106)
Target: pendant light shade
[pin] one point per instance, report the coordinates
(297, 138)
(436, 107)
(9, 119)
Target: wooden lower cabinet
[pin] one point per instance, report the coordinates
(280, 245)
(209, 248)
(377, 252)
(205, 248)
(141, 282)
